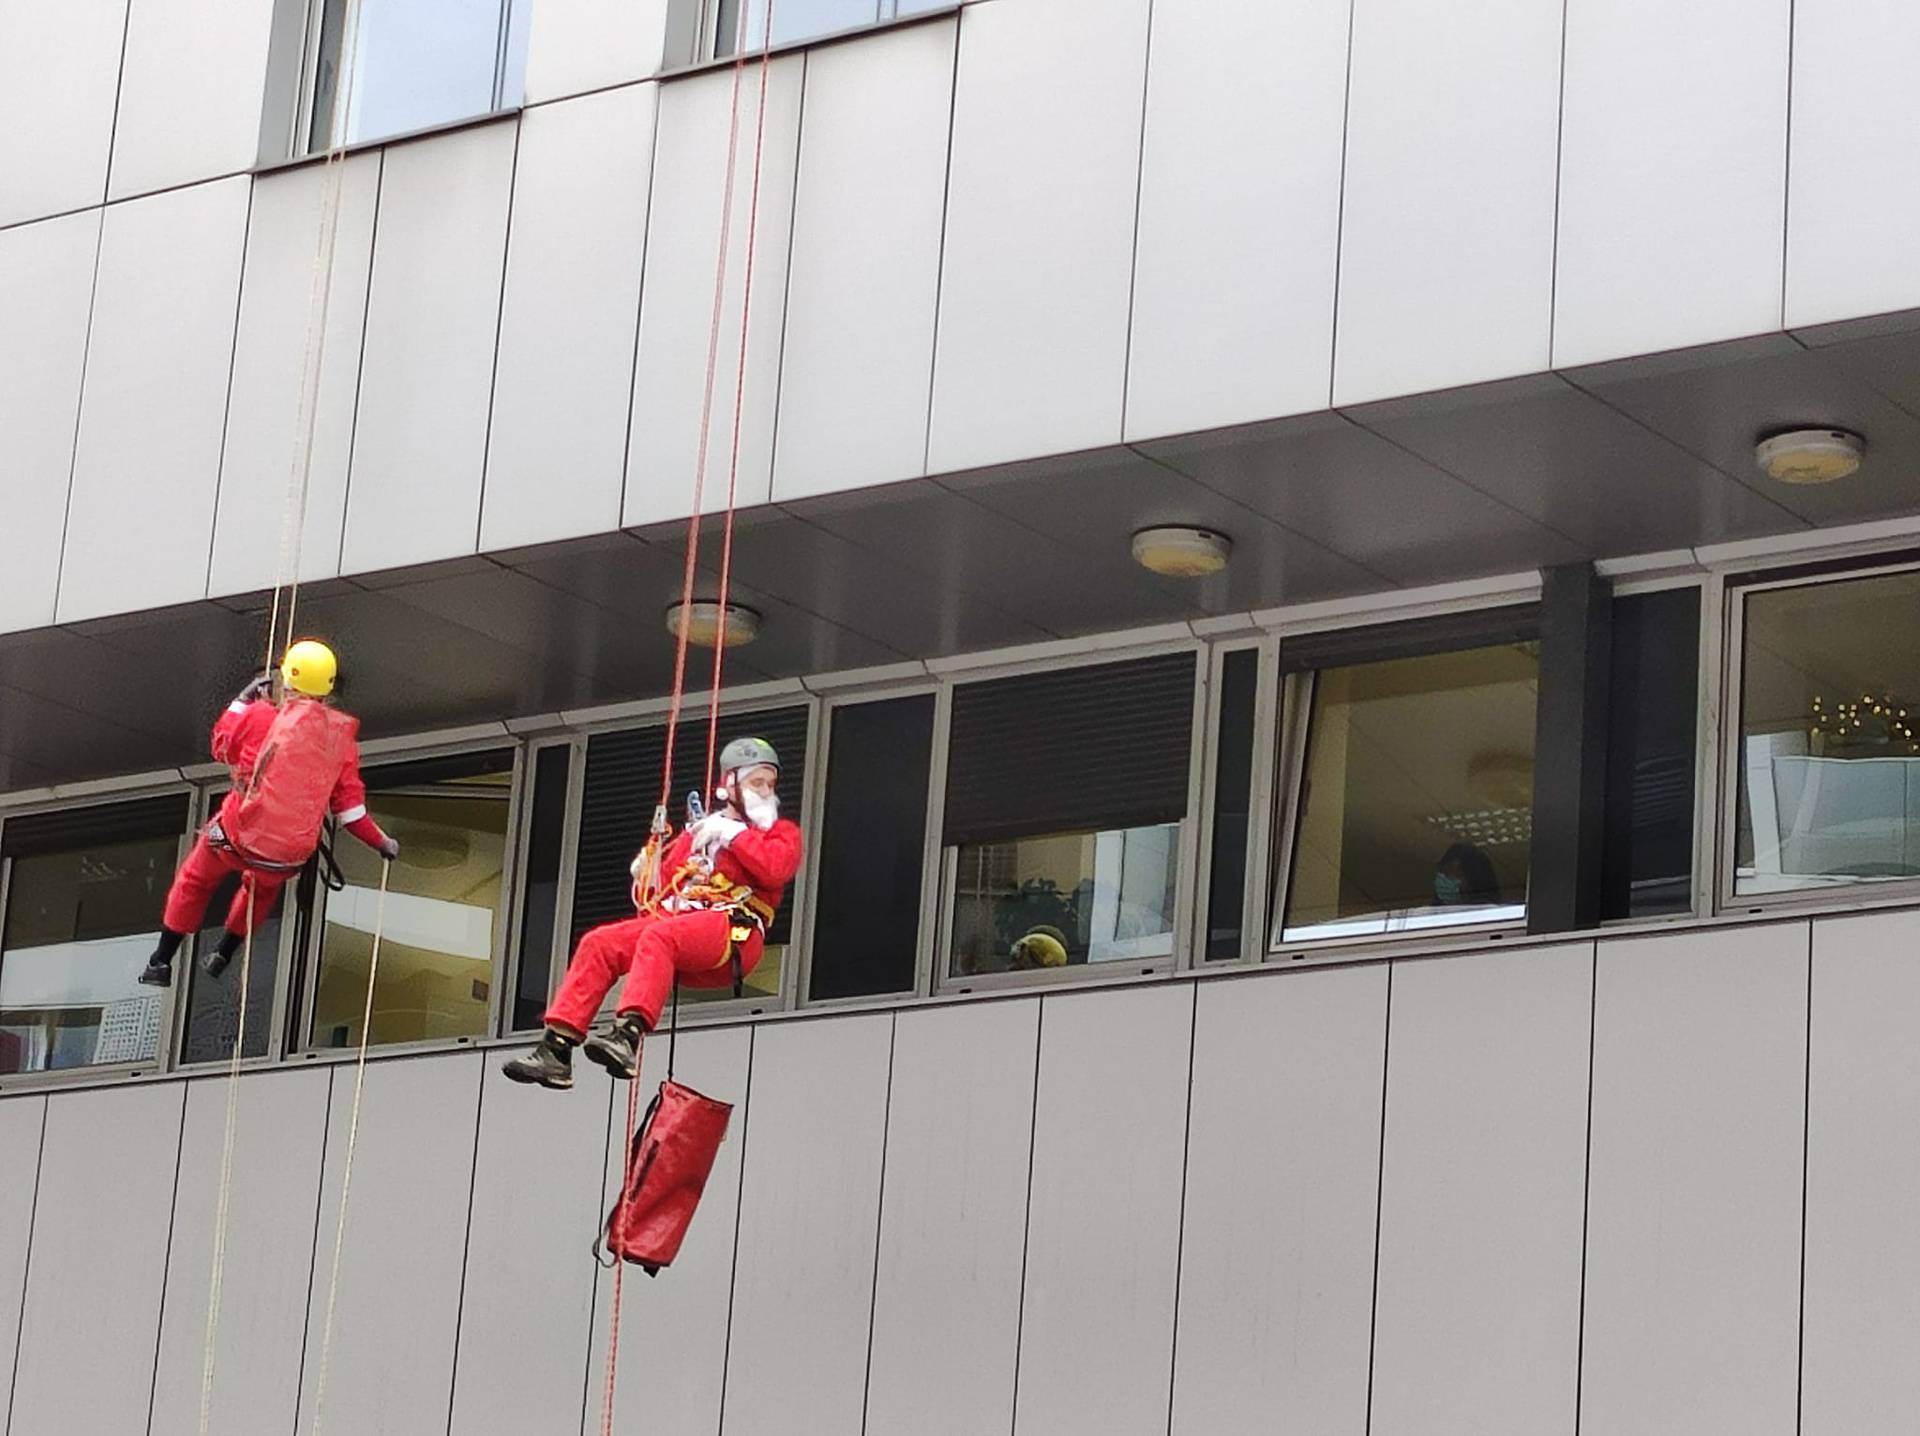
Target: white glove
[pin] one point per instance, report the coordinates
(714, 832)
(638, 865)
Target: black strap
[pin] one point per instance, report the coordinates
(673, 1025)
(329, 867)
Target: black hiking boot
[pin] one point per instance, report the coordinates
(617, 1050)
(548, 1064)
(217, 959)
(157, 973)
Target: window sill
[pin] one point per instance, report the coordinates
(360, 147)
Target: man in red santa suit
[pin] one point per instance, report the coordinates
(723, 880)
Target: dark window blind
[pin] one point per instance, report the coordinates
(1089, 749)
(71, 828)
(623, 784)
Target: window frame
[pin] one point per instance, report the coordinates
(693, 34)
(1735, 588)
(531, 749)
(1260, 799)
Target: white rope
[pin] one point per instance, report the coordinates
(346, 1172)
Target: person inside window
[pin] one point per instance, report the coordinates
(1464, 877)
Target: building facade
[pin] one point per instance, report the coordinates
(1446, 967)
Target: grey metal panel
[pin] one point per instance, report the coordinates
(21, 1122)
(865, 270)
(140, 517)
(419, 443)
(1862, 1299)
(580, 45)
(1103, 1213)
(391, 1369)
(59, 76)
(557, 447)
(98, 1264)
(1239, 214)
(1031, 357)
(1446, 244)
(279, 327)
(46, 292)
(959, 1131)
(686, 1310)
(1693, 1208)
(1477, 1302)
(1283, 1165)
(280, 1135)
(536, 1202)
(1664, 244)
(676, 302)
(191, 85)
(1853, 203)
(809, 1214)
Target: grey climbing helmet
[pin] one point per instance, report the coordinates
(744, 753)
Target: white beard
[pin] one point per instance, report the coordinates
(761, 811)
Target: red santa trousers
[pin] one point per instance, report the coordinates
(650, 950)
(201, 873)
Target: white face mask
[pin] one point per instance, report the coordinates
(761, 811)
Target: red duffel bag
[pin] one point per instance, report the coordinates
(668, 1162)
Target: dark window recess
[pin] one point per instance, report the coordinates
(1232, 804)
(623, 784)
(866, 924)
(73, 828)
(1094, 749)
(1647, 866)
(546, 831)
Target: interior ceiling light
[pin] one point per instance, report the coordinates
(706, 626)
(1176, 551)
(1810, 456)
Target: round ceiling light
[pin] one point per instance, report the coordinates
(1176, 551)
(1810, 456)
(706, 625)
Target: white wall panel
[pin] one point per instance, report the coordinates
(1283, 1165)
(1239, 213)
(676, 300)
(192, 82)
(1672, 174)
(865, 272)
(1693, 1210)
(391, 1371)
(94, 1278)
(1862, 1302)
(1853, 206)
(1446, 248)
(1103, 1214)
(579, 45)
(809, 1215)
(685, 1309)
(953, 1214)
(147, 465)
(558, 444)
(46, 292)
(420, 441)
(1477, 1305)
(1031, 357)
(59, 75)
(280, 322)
(21, 1120)
(280, 1135)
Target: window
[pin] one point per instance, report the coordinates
(805, 19)
(872, 841)
(540, 890)
(83, 889)
(1654, 688)
(1067, 794)
(414, 64)
(622, 787)
(443, 907)
(1232, 804)
(1416, 794)
(1827, 780)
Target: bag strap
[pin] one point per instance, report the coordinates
(329, 867)
(673, 1025)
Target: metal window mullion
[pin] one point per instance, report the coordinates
(813, 801)
(1731, 621)
(562, 938)
(1296, 699)
(1193, 850)
(1709, 787)
(933, 940)
(1267, 739)
(504, 968)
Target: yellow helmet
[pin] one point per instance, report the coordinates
(309, 668)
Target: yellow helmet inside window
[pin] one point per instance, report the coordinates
(309, 668)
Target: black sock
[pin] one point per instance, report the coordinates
(168, 945)
(559, 1042)
(229, 943)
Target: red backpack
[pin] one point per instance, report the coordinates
(283, 802)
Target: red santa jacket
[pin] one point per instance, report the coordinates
(237, 736)
(764, 859)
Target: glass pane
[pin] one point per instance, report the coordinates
(1232, 804)
(443, 905)
(79, 926)
(546, 830)
(1828, 789)
(866, 929)
(415, 63)
(1064, 898)
(1417, 800)
(1647, 862)
(213, 1003)
(792, 20)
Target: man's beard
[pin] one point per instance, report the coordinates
(761, 809)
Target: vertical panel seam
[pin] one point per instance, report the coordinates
(226, 408)
(940, 260)
(166, 1259)
(79, 410)
(1180, 1228)
(879, 1214)
(119, 89)
(1786, 189)
(1559, 168)
(26, 1268)
(313, 1257)
(733, 1267)
(639, 308)
(1340, 229)
(593, 1294)
(499, 322)
(1026, 1225)
(360, 361)
(1379, 1190)
(1586, 1186)
(466, 1246)
(786, 279)
(1806, 1169)
(1133, 258)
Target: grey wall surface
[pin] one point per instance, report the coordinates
(1030, 227)
(1502, 1192)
